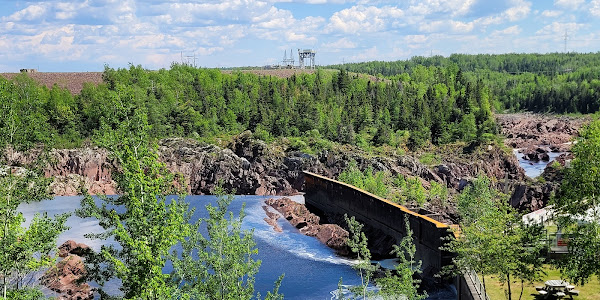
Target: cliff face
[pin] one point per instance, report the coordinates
(73, 169)
(250, 167)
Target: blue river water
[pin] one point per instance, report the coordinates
(312, 270)
(534, 169)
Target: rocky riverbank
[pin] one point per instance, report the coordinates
(535, 136)
(250, 166)
(526, 130)
(309, 224)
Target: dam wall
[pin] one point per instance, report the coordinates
(384, 220)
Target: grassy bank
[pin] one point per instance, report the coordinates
(496, 291)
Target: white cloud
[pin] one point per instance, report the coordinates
(418, 39)
(300, 37)
(30, 13)
(152, 32)
(595, 8)
(343, 43)
(511, 31)
(569, 4)
(557, 29)
(551, 13)
(454, 7)
(447, 26)
(520, 10)
(369, 54)
(358, 19)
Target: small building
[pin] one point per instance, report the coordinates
(28, 70)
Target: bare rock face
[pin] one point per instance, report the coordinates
(525, 130)
(249, 166)
(271, 219)
(300, 217)
(333, 236)
(531, 197)
(73, 169)
(64, 277)
(492, 162)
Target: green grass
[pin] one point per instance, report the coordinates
(496, 291)
(429, 159)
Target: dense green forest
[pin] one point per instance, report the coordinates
(557, 82)
(431, 104)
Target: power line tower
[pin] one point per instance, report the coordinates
(307, 54)
(288, 62)
(188, 60)
(566, 37)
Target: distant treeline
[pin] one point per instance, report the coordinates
(556, 82)
(431, 104)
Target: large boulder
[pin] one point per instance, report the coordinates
(72, 247)
(63, 279)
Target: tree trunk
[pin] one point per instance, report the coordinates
(522, 286)
(484, 288)
(508, 283)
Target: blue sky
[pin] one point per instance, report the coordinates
(84, 35)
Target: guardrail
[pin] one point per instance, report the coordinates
(473, 280)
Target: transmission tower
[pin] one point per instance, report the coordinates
(566, 37)
(288, 62)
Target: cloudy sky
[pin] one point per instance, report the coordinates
(84, 35)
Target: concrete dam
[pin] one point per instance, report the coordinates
(384, 220)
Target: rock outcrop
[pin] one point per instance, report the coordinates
(536, 153)
(71, 247)
(250, 166)
(536, 136)
(73, 170)
(526, 130)
(308, 223)
(64, 277)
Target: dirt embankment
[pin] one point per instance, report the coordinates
(73, 81)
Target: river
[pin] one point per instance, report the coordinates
(534, 169)
(311, 269)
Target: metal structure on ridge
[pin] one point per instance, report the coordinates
(307, 54)
(287, 63)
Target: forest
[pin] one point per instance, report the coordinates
(431, 105)
(546, 83)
